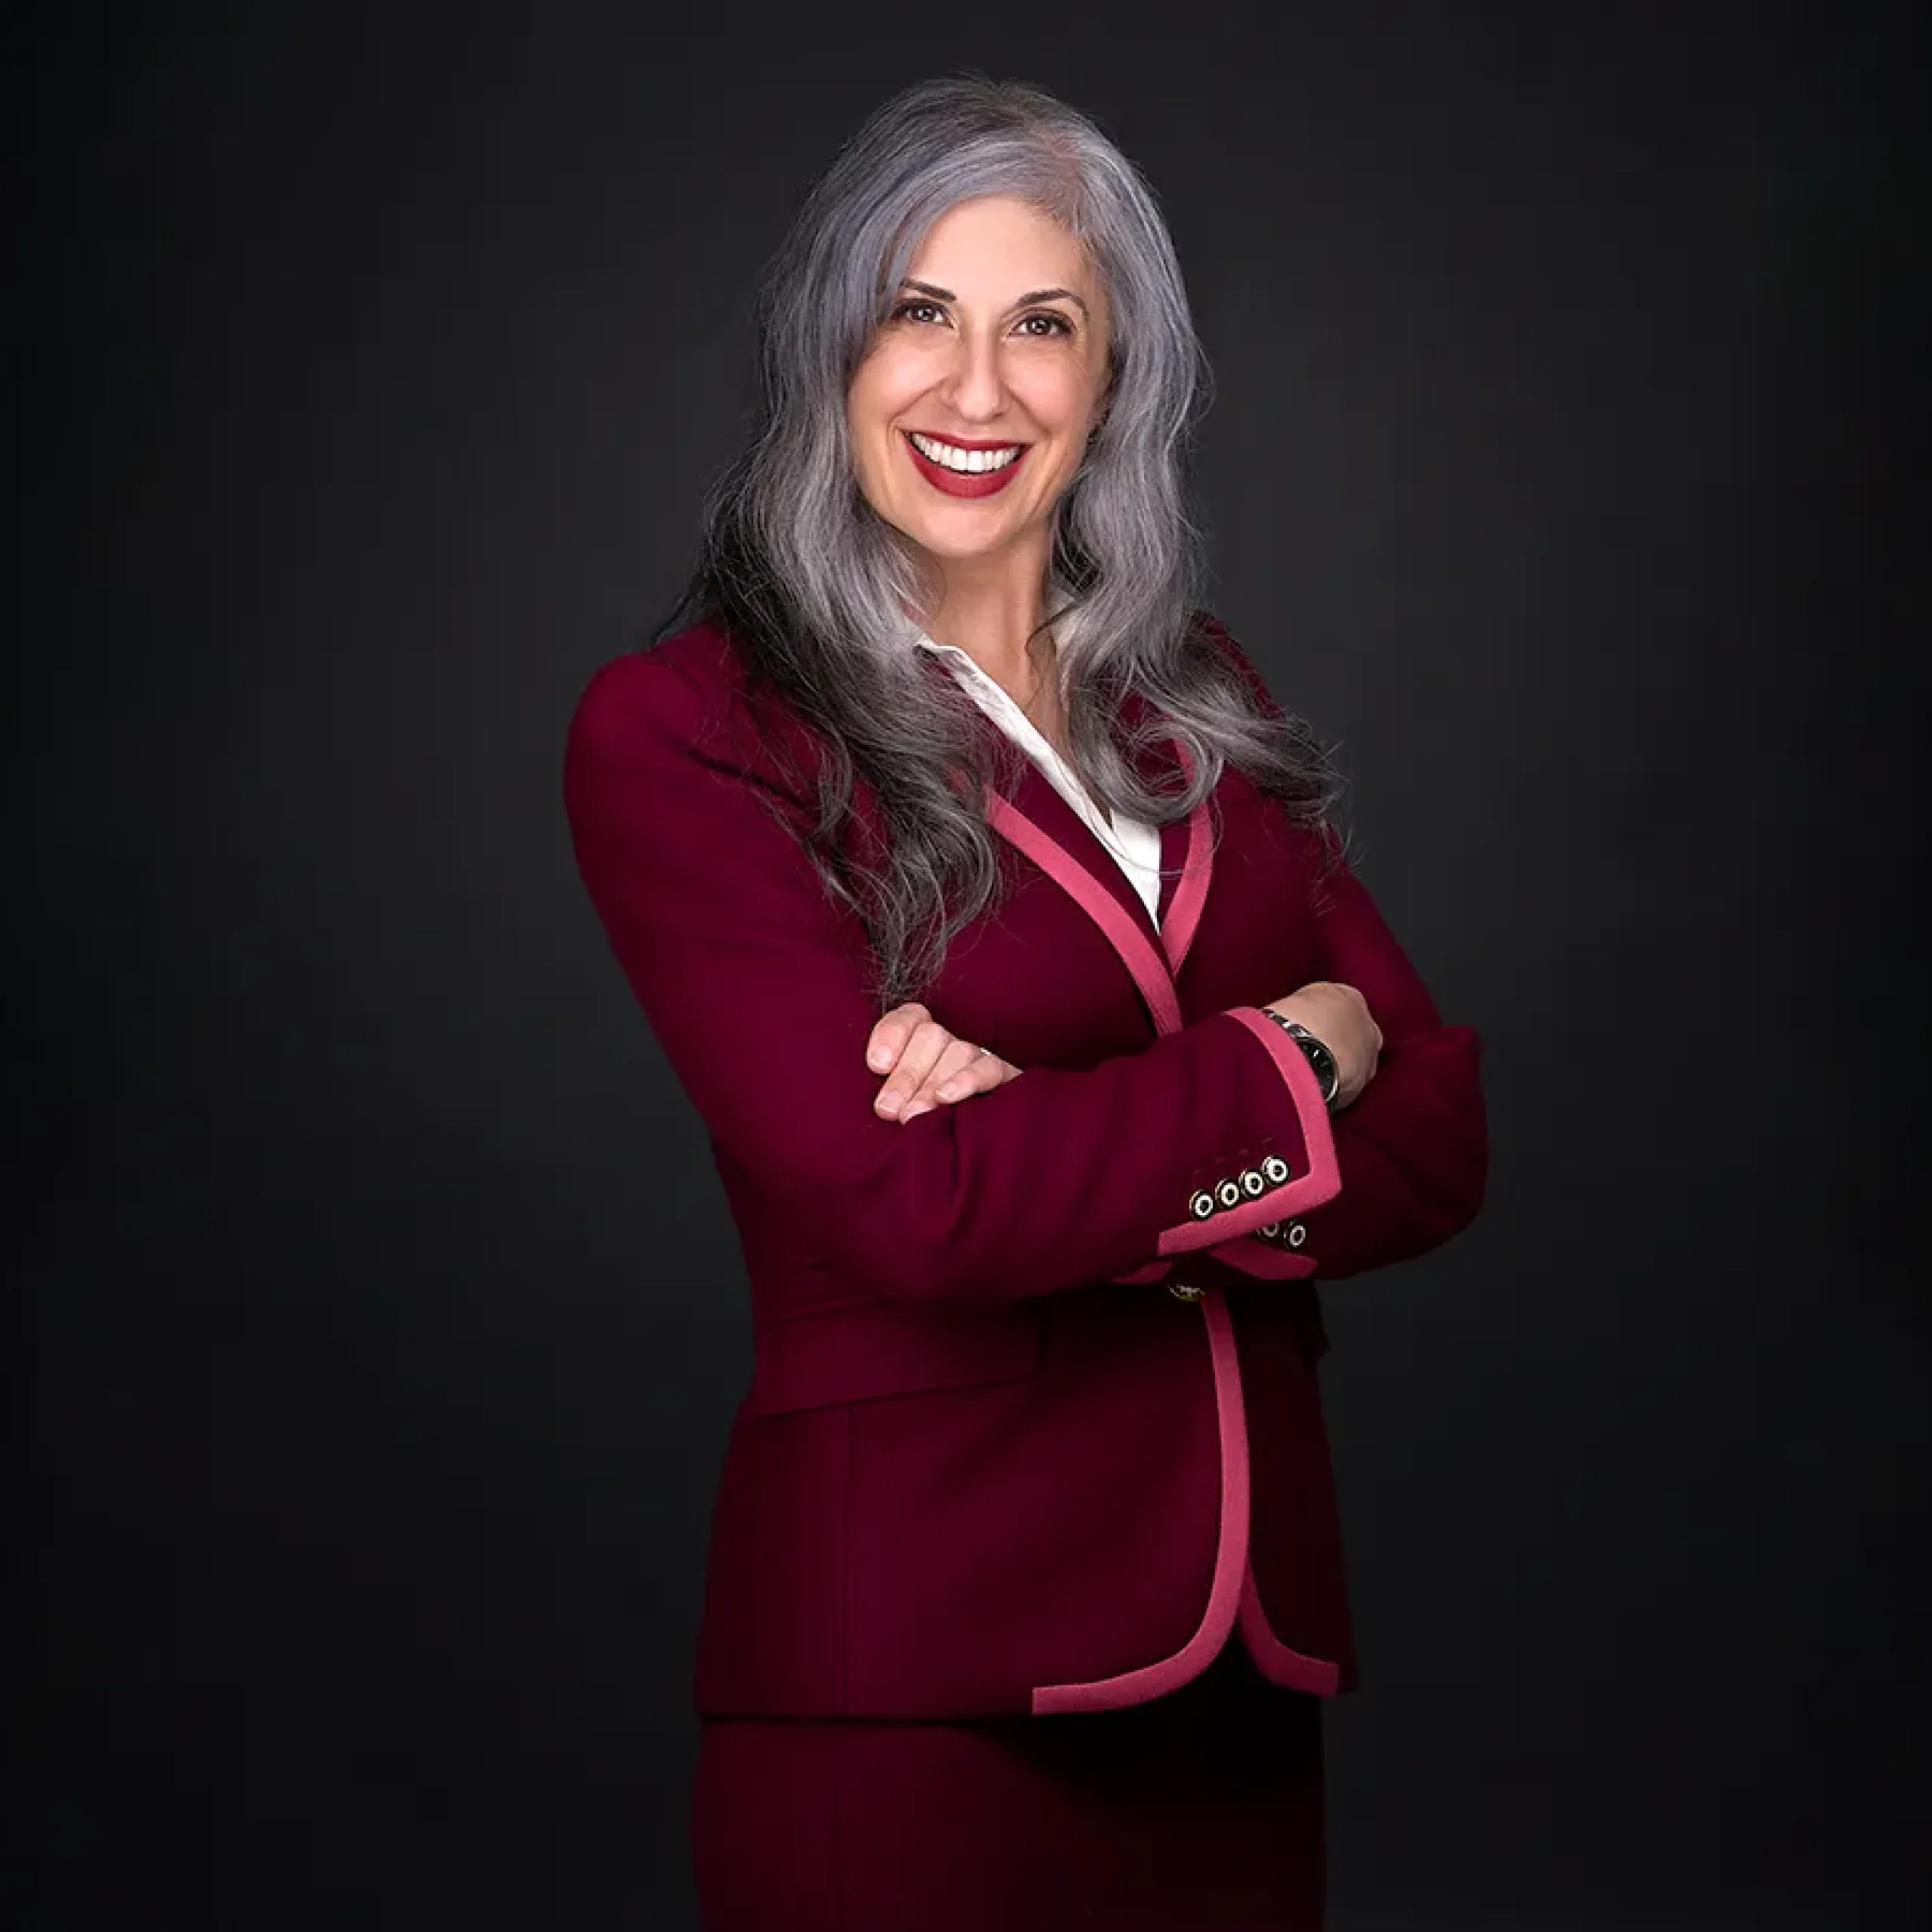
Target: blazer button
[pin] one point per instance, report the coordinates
(1268, 1230)
(1297, 1234)
(1253, 1183)
(1228, 1194)
(1275, 1168)
(1181, 1291)
(1202, 1205)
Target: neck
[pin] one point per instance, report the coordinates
(990, 608)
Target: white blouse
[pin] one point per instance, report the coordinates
(1135, 847)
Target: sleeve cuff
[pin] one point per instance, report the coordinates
(1235, 1206)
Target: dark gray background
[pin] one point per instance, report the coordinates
(383, 1319)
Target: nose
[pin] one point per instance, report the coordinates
(975, 390)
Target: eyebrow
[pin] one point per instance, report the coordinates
(1026, 301)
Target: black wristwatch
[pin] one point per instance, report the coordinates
(1327, 1073)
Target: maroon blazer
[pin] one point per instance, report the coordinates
(1033, 1423)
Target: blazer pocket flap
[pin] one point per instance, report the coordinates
(870, 1349)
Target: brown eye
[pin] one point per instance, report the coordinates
(904, 311)
(1057, 324)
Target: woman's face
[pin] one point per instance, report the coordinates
(971, 410)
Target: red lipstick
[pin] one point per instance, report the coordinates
(956, 483)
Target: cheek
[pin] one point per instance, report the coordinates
(888, 382)
(859, 413)
(865, 420)
(881, 394)
(1062, 400)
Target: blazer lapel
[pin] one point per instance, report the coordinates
(1047, 830)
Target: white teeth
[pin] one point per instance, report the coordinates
(969, 463)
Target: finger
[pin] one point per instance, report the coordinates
(928, 1040)
(952, 1077)
(982, 1077)
(888, 1039)
(907, 1092)
(980, 1074)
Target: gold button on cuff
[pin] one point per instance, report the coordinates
(1181, 1291)
(1276, 1169)
(1202, 1205)
(1228, 1194)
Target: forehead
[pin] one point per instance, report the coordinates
(981, 245)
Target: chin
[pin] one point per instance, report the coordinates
(955, 546)
(954, 539)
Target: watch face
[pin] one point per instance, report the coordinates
(1326, 1071)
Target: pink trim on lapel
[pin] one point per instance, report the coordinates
(1154, 971)
(1138, 952)
(1233, 1602)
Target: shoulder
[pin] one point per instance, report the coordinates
(684, 699)
(680, 677)
(694, 684)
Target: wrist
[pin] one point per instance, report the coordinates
(1320, 1057)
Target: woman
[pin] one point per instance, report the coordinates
(1025, 1580)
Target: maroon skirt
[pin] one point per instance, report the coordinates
(1202, 1809)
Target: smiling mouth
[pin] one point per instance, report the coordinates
(956, 469)
(966, 459)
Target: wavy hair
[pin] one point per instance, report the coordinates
(813, 587)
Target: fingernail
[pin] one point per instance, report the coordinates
(918, 1107)
(949, 1091)
(876, 1057)
(889, 1102)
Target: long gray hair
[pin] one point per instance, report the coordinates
(814, 587)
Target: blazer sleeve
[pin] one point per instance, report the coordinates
(1413, 1150)
(753, 981)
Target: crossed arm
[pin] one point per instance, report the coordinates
(1412, 1149)
(709, 904)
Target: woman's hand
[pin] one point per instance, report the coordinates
(1339, 1017)
(928, 1066)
